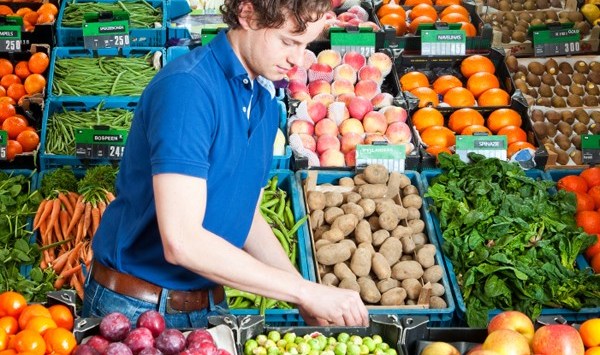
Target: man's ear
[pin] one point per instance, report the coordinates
(246, 15)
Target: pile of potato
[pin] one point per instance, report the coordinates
(371, 239)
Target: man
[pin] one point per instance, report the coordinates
(186, 219)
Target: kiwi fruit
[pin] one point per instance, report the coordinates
(590, 100)
(575, 16)
(550, 129)
(551, 66)
(583, 27)
(595, 128)
(525, 17)
(520, 28)
(512, 63)
(580, 128)
(504, 5)
(517, 6)
(562, 141)
(519, 75)
(548, 79)
(562, 157)
(493, 4)
(592, 89)
(577, 156)
(581, 67)
(509, 16)
(594, 77)
(537, 115)
(567, 116)
(522, 69)
(581, 115)
(595, 116)
(536, 22)
(519, 36)
(505, 38)
(565, 67)
(557, 101)
(539, 15)
(542, 4)
(540, 130)
(553, 116)
(551, 15)
(574, 100)
(579, 78)
(576, 89)
(563, 79)
(561, 91)
(536, 68)
(532, 92)
(594, 66)
(543, 101)
(521, 84)
(545, 90)
(576, 140)
(533, 80)
(564, 128)
(556, 4)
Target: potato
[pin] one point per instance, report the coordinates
(391, 249)
(372, 190)
(333, 235)
(417, 225)
(368, 206)
(384, 204)
(374, 223)
(393, 297)
(404, 181)
(333, 199)
(393, 184)
(316, 219)
(433, 274)
(436, 302)
(346, 181)
(408, 245)
(420, 238)
(437, 289)
(410, 302)
(359, 179)
(413, 213)
(352, 197)
(342, 271)
(410, 190)
(315, 200)
(331, 213)
(410, 269)
(368, 290)
(321, 242)
(324, 269)
(353, 208)
(349, 244)
(376, 174)
(346, 223)
(330, 279)
(406, 257)
(388, 220)
(412, 201)
(425, 255)
(380, 237)
(362, 232)
(401, 212)
(332, 254)
(401, 231)
(318, 232)
(380, 266)
(360, 263)
(413, 288)
(349, 284)
(387, 284)
(367, 245)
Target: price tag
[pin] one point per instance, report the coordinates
(489, 146)
(393, 156)
(590, 148)
(443, 42)
(10, 34)
(207, 34)
(94, 143)
(357, 39)
(106, 30)
(3, 143)
(555, 41)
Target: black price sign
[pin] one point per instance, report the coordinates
(100, 143)
(555, 41)
(106, 30)
(10, 34)
(3, 143)
(590, 148)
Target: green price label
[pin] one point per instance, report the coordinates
(106, 30)
(590, 148)
(3, 143)
(443, 42)
(393, 156)
(100, 143)
(361, 40)
(489, 146)
(551, 42)
(10, 34)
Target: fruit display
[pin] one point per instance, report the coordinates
(524, 5)
(44, 14)
(355, 15)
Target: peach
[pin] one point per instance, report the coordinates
(324, 98)
(381, 61)
(508, 342)
(327, 141)
(351, 125)
(370, 138)
(346, 16)
(342, 86)
(358, 10)
(374, 122)
(319, 71)
(370, 24)
(382, 100)
(309, 58)
(301, 96)
(354, 59)
(350, 140)
(308, 142)
(338, 112)
(316, 110)
(549, 338)
(332, 158)
(295, 86)
(370, 72)
(513, 320)
(298, 73)
(319, 87)
(302, 127)
(354, 22)
(329, 57)
(336, 3)
(440, 348)
(326, 126)
(344, 71)
(367, 89)
(359, 106)
(394, 114)
(345, 98)
(350, 158)
(398, 132)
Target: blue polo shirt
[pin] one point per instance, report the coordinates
(200, 116)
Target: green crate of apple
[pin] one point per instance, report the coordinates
(316, 344)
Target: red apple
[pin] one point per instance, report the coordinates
(332, 158)
(326, 126)
(301, 126)
(327, 142)
(308, 142)
(513, 320)
(557, 339)
(507, 342)
(350, 140)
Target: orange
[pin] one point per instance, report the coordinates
(464, 117)
(16, 91)
(29, 140)
(478, 83)
(414, 24)
(32, 310)
(590, 332)
(38, 62)
(454, 17)
(13, 148)
(593, 351)
(503, 117)
(48, 7)
(13, 126)
(6, 66)
(12, 304)
(459, 97)
(435, 150)
(7, 99)
(60, 341)
(45, 17)
(62, 315)
(595, 263)
(396, 21)
(417, 2)
(29, 340)
(9, 325)
(31, 17)
(446, 82)
(22, 70)
(469, 29)
(591, 176)
(585, 202)
(8, 352)
(590, 252)
(2, 91)
(34, 83)
(391, 8)
(9, 79)
(6, 110)
(40, 324)
(413, 80)
(447, 2)
(476, 63)
(426, 96)
(3, 339)
(456, 9)
(439, 136)
(572, 183)
(426, 117)
(5, 10)
(494, 97)
(516, 146)
(22, 11)
(513, 134)
(475, 128)
(423, 10)
(589, 221)
(594, 191)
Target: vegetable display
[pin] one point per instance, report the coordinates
(512, 244)
(141, 13)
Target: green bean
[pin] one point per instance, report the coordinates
(141, 13)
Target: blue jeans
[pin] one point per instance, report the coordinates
(100, 301)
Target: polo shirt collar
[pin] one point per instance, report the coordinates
(225, 56)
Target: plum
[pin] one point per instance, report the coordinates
(85, 349)
(152, 320)
(138, 339)
(115, 326)
(98, 342)
(170, 341)
(203, 347)
(199, 334)
(117, 348)
(150, 351)
(223, 352)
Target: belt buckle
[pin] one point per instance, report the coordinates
(169, 308)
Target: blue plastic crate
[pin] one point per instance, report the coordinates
(48, 161)
(139, 37)
(176, 51)
(461, 309)
(437, 317)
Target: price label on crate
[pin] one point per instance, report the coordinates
(554, 41)
(590, 148)
(3, 143)
(109, 29)
(358, 39)
(100, 143)
(443, 42)
(10, 34)
(393, 156)
(489, 146)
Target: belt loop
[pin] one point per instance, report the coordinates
(89, 275)
(211, 300)
(162, 301)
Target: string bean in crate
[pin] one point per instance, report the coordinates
(141, 13)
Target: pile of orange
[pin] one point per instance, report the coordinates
(34, 328)
(590, 335)
(45, 14)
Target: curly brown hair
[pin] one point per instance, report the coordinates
(274, 13)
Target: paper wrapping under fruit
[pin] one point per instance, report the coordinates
(298, 148)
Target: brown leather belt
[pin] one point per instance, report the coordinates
(177, 301)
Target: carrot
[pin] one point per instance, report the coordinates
(54, 215)
(74, 255)
(95, 220)
(73, 197)
(64, 223)
(80, 232)
(43, 263)
(38, 213)
(60, 281)
(78, 287)
(65, 201)
(101, 207)
(77, 213)
(45, 213)
(70, 272)
(110, 196)
(87, 217)
(60, 262)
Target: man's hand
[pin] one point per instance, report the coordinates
(333, 306)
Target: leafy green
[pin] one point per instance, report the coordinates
(96, 181)
(61, 179)
(512, 244)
